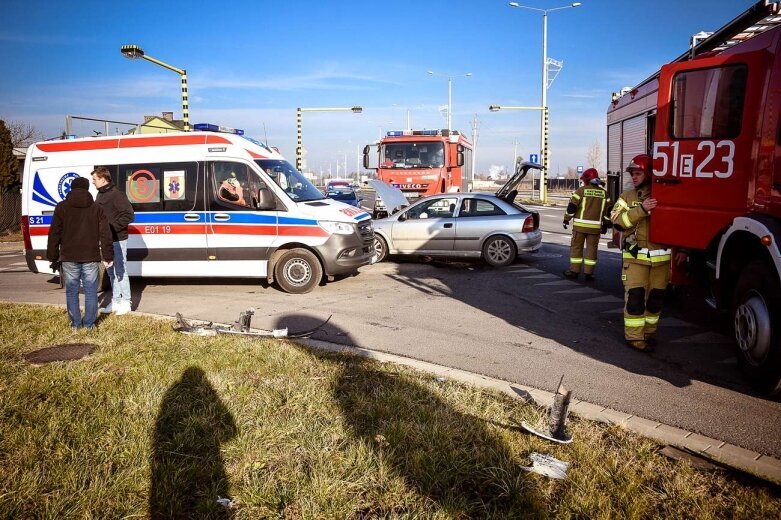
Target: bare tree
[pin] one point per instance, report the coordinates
(571, 173)
(23, 134)
(594, 155)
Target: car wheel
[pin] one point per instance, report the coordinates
(380, 249)
(756, 313)
(499, 251)
(298, 271)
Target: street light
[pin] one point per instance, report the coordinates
(134, 52)
(449, 94)
(299, 145)
(544, 103)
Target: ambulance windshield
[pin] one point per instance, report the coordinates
(291, 180)
(413, 155)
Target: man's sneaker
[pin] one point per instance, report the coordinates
(123, 308)
(108, 309)
(572, 275)
(590, 278)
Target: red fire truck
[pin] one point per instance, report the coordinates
(421, 162)
(711, 119)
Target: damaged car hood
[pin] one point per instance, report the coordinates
(393, 198)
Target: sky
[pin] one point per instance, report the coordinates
(251, 64)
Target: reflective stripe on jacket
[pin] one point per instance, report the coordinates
(629, 216)
(588, 208)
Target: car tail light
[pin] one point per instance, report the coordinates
(28, 244)
(528, 224)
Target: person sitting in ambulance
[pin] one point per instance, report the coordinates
(232, 190)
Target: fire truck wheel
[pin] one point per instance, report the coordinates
(298, 271)
(499, 251)
(380, 249)
(756, 313)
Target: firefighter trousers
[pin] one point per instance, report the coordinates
(644, 287)
(576, 256)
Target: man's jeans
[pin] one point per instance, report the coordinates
(86, 274)
(120, 282)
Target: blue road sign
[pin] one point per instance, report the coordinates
(533, 157)
(580, 169)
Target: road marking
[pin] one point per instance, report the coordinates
(558, 282)
(580, 290)
(619, 310)
(603, 299)
(545, 275)
(704, 337)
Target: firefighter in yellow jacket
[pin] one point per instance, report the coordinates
(589, 210)
(646, 266)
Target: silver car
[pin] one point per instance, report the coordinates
(476, 225)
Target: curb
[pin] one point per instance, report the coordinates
(761, 466)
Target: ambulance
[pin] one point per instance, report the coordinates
(208, 203)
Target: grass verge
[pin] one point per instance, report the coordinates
(158, 424)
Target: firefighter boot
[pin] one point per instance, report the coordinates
(572, 275)
(639, 344)
(590, 277)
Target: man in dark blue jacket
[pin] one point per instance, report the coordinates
(79, 232)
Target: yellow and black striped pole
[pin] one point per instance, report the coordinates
(299, 143)
(185, 103)
(545, 157)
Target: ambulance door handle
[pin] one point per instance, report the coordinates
(668, 181)
(449, 225)
(192, 217)
(222, 217)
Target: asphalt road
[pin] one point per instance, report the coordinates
(524, 323)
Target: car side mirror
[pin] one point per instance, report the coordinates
(402, 217)
(266, 199)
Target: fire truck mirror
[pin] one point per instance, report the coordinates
(460, 159)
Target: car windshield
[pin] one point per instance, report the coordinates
(413, 155)
(291, 180)
(341, 193)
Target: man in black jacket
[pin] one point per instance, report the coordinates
(120, 214)
(77, 235)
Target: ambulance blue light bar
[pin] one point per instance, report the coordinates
(208, 127)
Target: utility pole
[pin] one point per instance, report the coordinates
(475, 128)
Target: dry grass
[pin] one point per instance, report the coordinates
(159, 424)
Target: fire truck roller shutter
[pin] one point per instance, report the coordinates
(635, 139)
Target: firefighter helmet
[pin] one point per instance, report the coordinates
(588, 175)
(640, 162)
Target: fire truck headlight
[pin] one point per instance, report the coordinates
(338, 228)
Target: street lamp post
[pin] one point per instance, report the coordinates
(544, 104)
(299, 111)
(134, 52)
(449, 95)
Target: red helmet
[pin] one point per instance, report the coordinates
(640, 162)
(588, 175)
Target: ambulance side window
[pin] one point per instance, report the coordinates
(159, 186)
(232, 184)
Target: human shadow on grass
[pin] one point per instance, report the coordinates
(187, 470)
(451, 458)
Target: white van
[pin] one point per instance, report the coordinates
(187, 224)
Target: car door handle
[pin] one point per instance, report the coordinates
(449, 225)
(666, 180)
(192, 217)
(221, 217)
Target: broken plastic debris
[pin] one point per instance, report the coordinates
(227, 503)
(547, 465)
(440, 379)
(242, 327)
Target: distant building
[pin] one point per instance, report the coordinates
(159, 124)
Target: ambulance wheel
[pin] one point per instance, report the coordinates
(380, 249)
(756, 313)
(298, 271)
(499, 251)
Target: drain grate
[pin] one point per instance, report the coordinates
(66, 352)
